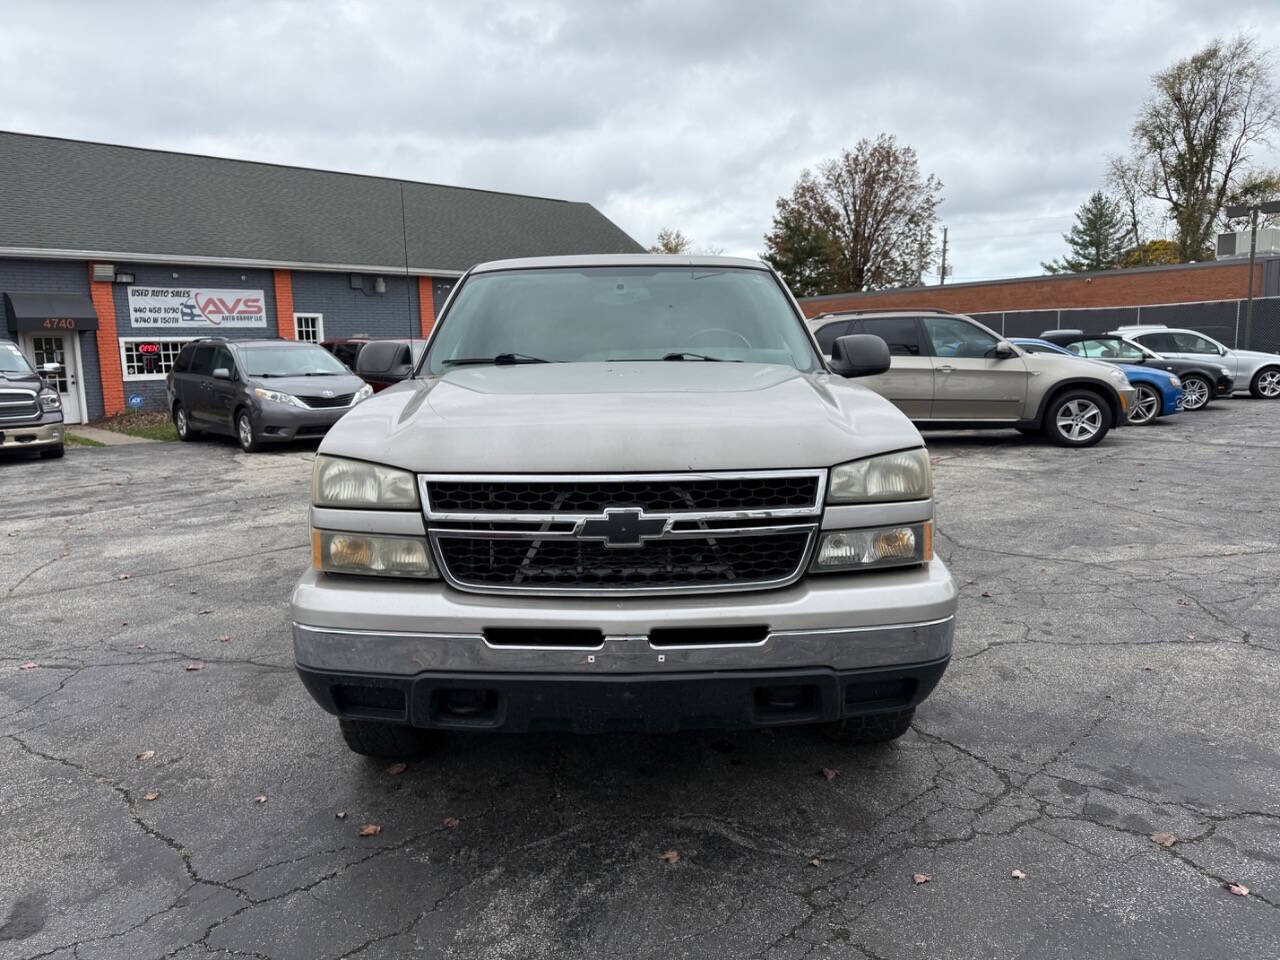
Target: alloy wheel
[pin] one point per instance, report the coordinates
(244, 430)
(1079, 419)
(1146, 405)
(1195, 393)
(1269, 384)
(180, 421)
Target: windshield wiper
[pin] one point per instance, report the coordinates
(686, 355)
(501, 360)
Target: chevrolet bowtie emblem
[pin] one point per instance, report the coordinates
(622, 528)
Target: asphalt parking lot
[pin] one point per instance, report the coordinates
(1116, 675)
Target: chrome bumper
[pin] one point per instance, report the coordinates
(844, 622)
(31, 437)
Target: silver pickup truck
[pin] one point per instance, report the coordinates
(623, 493)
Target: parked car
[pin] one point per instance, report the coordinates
(1253, 370)
(949, 372)
(30, 411)
(623, 493)
(384, 365)
(259, 391)
(1158, 393)
(1202, 380)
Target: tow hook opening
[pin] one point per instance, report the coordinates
(791, 702)
(464, 706)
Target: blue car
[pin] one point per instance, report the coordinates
(1159, 392)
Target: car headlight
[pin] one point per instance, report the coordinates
(373, 556)
(1119, 377)
(50, 401)
(275, 396)
(895, 476)
(1225, 372)
(901, 546)
(364, 393)
(1177, 382)
(336, 482)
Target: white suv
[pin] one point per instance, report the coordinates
(1260, 372)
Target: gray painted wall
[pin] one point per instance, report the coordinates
(348, 311)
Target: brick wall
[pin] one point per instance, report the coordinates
(283, 281)
(1151, 285)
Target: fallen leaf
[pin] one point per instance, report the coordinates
(370, 830)
(151, 795)
(1017, 874)
(124, 623)
(829, 773)
(1191, 636)
(192, 667)
(1164, 838)
(986, 593)
(1239, 889)
(815, 862)
(204, 612)
(224, 639)
(341, 814)
(30, 665)
(123, 576)
(145, 755)
(142, 646)
(260, 798)
(397, 768)
(1148, 669)
(452, 822)
(919, 878)
(671, 856)
(1133, 488)
(173, 584)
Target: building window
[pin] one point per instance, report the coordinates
(146, 358)
(309, 327)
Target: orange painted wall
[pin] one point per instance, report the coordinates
(284, 304)
(426, 305)
(104, 304)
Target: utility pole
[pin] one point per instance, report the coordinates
(942, 270)
(1242, 210)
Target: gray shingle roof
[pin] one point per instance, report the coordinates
(71, 195)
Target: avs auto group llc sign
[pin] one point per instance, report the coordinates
(196, 307)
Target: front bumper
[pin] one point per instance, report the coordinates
(280, 421)
(353, 635)
(36, 436)
(1226, 386)
(1128, 398)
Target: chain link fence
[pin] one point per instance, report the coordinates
(1224, 320)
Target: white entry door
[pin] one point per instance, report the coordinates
(58, 348)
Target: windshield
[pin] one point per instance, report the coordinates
(1107, 348)
(289, 360)
(641, 313)
(12, 360)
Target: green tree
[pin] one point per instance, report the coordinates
(672, 242)
(864, 221)
(1193, 136)
(1097, 238)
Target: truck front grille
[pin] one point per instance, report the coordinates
(610, 534)
(18, 405)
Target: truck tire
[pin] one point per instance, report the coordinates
(53, 453)
(870, 728)
(1266, 384)
(1197, 391)
(377, 738)
(1077, 418)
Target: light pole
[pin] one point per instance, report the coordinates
(1251, 211)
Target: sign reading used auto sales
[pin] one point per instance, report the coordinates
(196, 307)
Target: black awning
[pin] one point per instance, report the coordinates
(50, 311)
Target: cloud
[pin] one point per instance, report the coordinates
(696, 116)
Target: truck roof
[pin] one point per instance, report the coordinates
(620, 260)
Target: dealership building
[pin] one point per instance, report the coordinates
(112, 258)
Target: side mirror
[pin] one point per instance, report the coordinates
(384, 360)
(222, 373)
(1005, 350)
(50, 367)
(859, 355)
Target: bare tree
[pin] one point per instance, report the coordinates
(1193, 136)
(1130, 181)
(864, 222)
(671, 241)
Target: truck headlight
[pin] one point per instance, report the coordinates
(50, 401)
(896, 476)
(275, 396)
(901, 546)
(336, 482)
(374, 556)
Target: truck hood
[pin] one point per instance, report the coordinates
(620, 417)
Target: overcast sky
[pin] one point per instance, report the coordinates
(685, 114)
